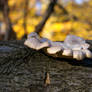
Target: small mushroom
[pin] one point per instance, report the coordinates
(42, 45)
(34, 42)
(67, 52)
(54, 50)
(75, 42)
(85, 46)
(87, 53)
(77, 54)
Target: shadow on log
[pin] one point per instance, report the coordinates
(23, 70)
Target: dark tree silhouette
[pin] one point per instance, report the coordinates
(10, 34)
(46, 15)
(25, 17)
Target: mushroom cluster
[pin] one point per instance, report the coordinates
(73, 46)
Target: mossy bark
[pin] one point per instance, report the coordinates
(24, 70)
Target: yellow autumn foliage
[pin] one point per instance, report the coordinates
(54, 29)
(59, 29)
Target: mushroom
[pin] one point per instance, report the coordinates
(67, 52)
(78, 54)
(54, 49)
(87, 53)
(34, 41)
(73, 46)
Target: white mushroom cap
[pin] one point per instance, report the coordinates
(32, 43)
(88, 53)
(42, 45)
(73, 41)
(79, 55)
(35, 44)
(54, 50)
(85, 46)
(67, 52)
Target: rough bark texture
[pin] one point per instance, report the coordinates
(23, 70)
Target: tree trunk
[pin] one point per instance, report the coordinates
(10, 34)
(24, 70)
(25, 18)
(47, 14)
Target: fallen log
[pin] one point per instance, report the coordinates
(24, 70)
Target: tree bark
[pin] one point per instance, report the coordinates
(24, 70)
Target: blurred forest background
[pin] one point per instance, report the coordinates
(53, 19)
